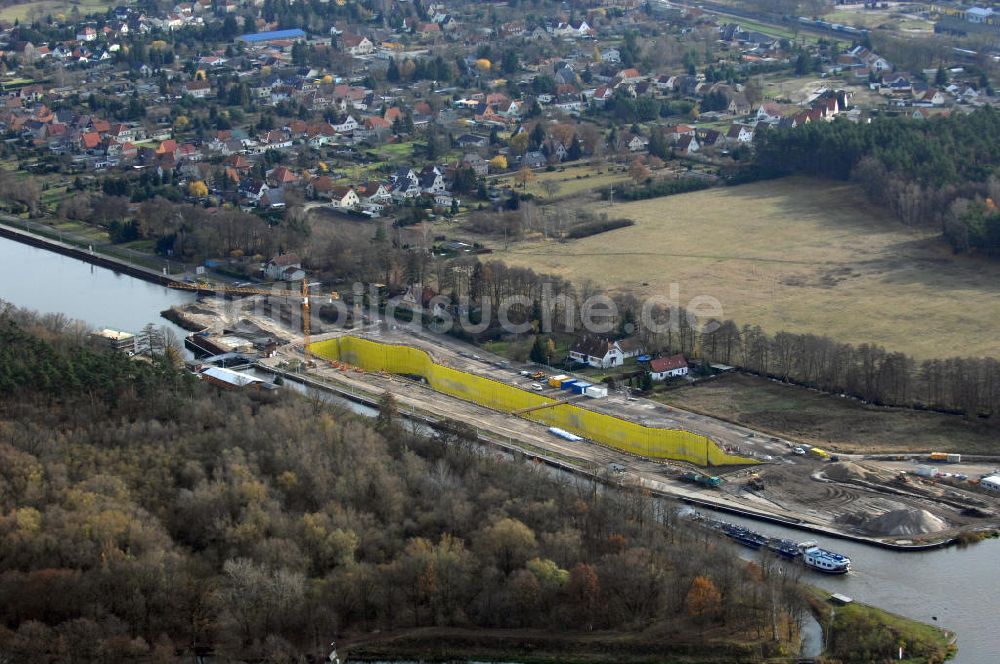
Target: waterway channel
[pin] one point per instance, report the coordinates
(52, 283)
(954, 588)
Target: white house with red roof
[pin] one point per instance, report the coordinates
(673, 366)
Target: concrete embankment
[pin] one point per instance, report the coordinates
(102, 260)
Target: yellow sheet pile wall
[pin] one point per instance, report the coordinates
(612, 431)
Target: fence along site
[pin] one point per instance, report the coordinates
(624, 435)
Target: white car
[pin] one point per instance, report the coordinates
(799, 450)
(537, 387)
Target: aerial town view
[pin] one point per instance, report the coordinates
(510, 331)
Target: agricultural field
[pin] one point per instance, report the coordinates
(797, 254)
(41, 8)
(830, 421)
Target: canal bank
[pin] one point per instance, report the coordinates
(86, 255)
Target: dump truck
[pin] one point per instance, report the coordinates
(710, 481)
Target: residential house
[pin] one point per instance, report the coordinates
(662, 368)
(356, 45)
(979, 14)
(273, 198)
(432, 181)
(280, 176)
(630, 347)
(708, 138)
(446, 200)
(598, 352)
(630, 75)
(373, 193)
(320, 187)
(252, 189)
(638, 144)
(198, 89)
(478, 165)
(283, 266)
(347, 126)
(675, 133)
(471, 141)
(769, 113)
(739, 134)
(739, 104)
(602, 95)
(687, 145)
(534, 159)
(344, 198)
(611, 55)
(932, 97)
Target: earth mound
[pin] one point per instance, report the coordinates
(842, 471)
(905, 522)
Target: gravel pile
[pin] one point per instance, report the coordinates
(905, 522)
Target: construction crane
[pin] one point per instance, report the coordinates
(225, 289)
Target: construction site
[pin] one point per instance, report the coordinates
(900, 501)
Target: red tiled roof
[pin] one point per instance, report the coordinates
(661, 364)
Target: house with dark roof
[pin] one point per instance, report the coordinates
(687, 145)
(630, 347)
(598, 352)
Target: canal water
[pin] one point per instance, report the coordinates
(52, 283)
(954, 588)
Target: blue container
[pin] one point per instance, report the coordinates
(567, 384)
(580, 388)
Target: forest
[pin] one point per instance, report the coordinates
(943, 172)
(145, 515)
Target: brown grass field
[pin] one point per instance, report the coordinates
(830, 421)
(796, 254)
(42, 8)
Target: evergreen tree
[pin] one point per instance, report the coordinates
(575, 149)
(538, 353)
(646, 382)
(941, 77)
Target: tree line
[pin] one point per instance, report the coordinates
(968, 385)
(939, 173)
(145, 516)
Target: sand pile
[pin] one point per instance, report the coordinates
(842, 471)
(905, 522)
